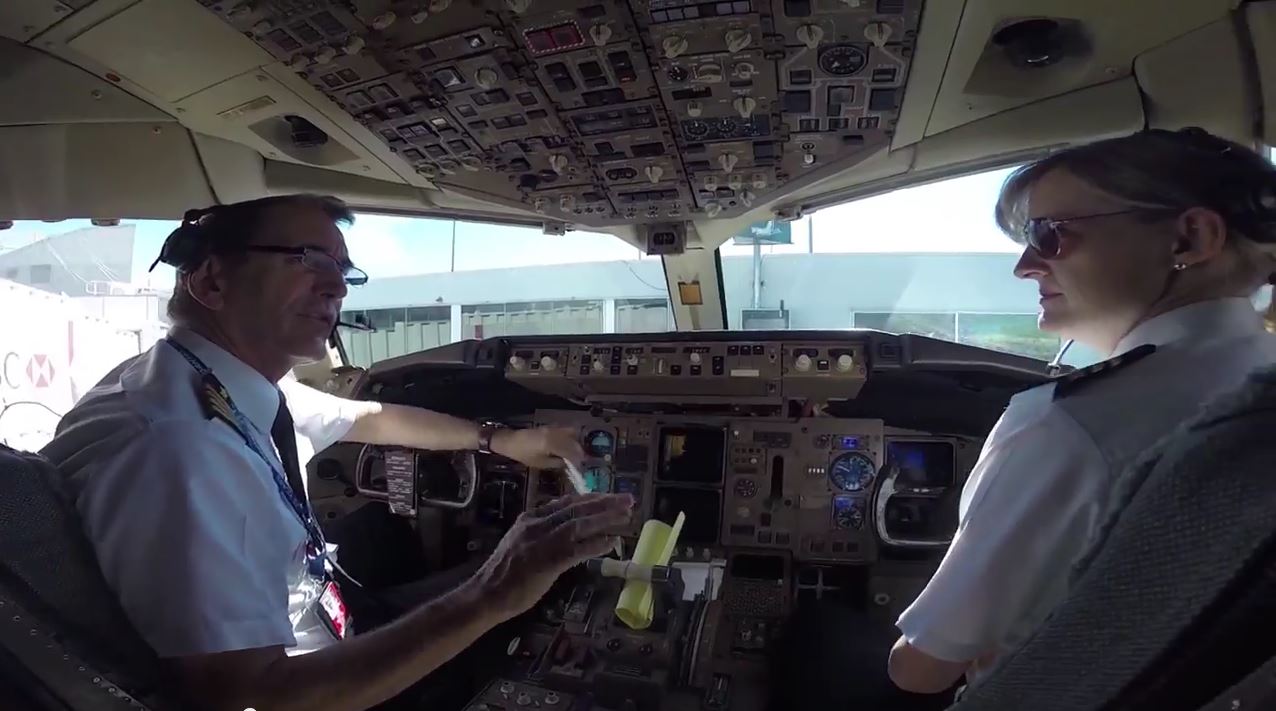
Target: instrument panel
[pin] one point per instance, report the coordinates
(610, 112)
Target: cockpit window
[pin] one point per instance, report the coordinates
(436, 281)
(927, 260)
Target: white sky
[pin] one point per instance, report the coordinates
(950, 216)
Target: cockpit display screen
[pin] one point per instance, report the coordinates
(692, 455)
(922, 463)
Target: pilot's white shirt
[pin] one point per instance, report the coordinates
(1041, 485)
(189, 528)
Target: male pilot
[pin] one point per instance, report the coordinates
(185, 463)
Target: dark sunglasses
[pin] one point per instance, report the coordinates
(317, 260)
(1044, 234)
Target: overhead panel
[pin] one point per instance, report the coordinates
(24, 19)
(609, 113)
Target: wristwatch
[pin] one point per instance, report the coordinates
(486, 430)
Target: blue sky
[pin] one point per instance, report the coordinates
(950, 216)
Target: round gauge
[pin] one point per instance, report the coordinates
(599, 443)
(726, 126)
(695, 128)
(848, 513)
(851, 471)
(842, 60)
(598, 479)
(746, 488)
(678, 73)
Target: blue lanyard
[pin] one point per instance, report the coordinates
(217, 403)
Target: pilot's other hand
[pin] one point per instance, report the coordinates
(544, 543)
(539, 447)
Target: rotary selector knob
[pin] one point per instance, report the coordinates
(262, 27)
(419, 16)
(558, 162)
(738, 40)
(599, 365)
(325, 55)
(549, 363)
(600, 34)
(437, 6)
(632, 359)
(745, 106)
(845, 362)
(694, 358)
(518, 362)
(802, 363)
(712, 209)
(299, 62)
(735, 182)
(759, 181)
(486, 78)
(354, 45)
(728, 161)
(383, 21)
(654, 173)
(748, 198)
(878, 33)
(694, 109)
(711, 182)
(810, 35)
(674, 46)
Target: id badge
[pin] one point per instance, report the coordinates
(335, 608)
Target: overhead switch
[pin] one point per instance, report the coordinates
(558, 162)
(383, 21)
(325, 55)
(354, 45)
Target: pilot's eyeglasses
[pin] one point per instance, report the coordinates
(1045, 234)
(317, 260)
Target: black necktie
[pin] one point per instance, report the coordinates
(285, 439)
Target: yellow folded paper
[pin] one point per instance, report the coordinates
(655, 546)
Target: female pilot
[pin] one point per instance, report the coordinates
(1148, 248)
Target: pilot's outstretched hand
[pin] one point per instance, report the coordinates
(544, 543)
(539, 447)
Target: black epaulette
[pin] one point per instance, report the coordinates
(1069, 384)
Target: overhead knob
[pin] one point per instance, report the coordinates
(325, 55)
(566, 203)
(712, 209)
(599, 365)
(728, 161)
(419, 16)
(241, 12)
(737, 40)
(262, 27)
(747, 198)
(808, 160)
(810, 35)
(429, 171)
(437, 6)
(518, 362)
(549, 363)
(711, 182)
(384, 20)
(632, 359)
(845, 362)
(486, 78)
(735, 182)
(694, 358)
(298, 62)
(877, 33)
(759, 181)
(654, 173)
(744, 70)
(518, 7)
(694, 108)
(600, 33)
(448, 166)
(802, 363)
(471, 163)
(540, 204)
(674, 46)
(745, 105)
(354, 45)
(558, 162)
